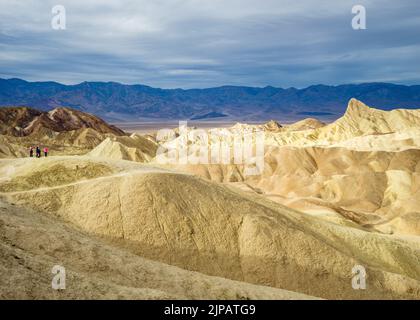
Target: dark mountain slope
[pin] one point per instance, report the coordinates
(109, 99)
(24, 121)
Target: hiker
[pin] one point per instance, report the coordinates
(45, 152)
(38, 152)
(31, 152)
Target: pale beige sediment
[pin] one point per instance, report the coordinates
(185, 221)
(330, 197)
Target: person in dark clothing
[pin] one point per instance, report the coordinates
(38, 152)
(31, 152)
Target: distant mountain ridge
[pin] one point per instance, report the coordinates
(112, 100)
(24, 121)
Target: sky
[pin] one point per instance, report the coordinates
(208, 43)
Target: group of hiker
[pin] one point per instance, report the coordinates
(37, 151)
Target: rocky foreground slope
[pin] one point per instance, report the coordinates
(32, 243)
(207, 227)
(330, 197)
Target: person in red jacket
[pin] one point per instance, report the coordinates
(46, 152)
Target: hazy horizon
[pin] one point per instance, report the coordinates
(220, 86)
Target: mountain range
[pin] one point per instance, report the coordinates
(24, 121)
(120, 102)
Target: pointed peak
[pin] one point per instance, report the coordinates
(357, 107)
(356, 103)
(272, 125)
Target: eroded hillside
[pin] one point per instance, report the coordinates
(329, 197)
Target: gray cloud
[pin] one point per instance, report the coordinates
(202, 43)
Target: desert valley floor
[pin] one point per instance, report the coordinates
(124, 225)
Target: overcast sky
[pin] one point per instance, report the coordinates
(206, 43)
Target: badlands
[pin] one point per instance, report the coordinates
(330, 197)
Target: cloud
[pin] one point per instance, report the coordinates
(203, 43)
